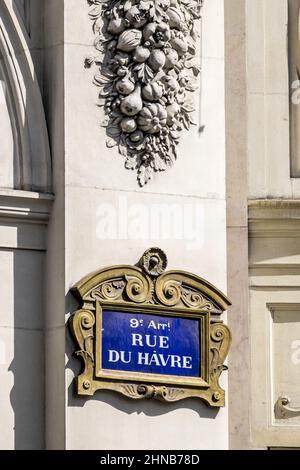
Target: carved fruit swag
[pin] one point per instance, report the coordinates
(146, 70)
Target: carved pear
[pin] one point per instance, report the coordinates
(125, 86)
(132, 104)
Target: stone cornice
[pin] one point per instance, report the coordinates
(25, 206)
(274, 204)
(278, 218)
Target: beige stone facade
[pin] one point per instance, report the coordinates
(227, 210)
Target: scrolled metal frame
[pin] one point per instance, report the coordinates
(172, 293)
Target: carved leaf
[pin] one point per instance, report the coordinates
(158, 163)
(118, 284)
(174, 394)
(113, 131)
(82, 323)
(101, 80)
(145, 174)
(144, 73)
(130, 163)
(123, 146)
(110, 143)
(130, 390)
(95, 12)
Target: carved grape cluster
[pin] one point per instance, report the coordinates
(146, 68)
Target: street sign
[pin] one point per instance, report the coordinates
(150, 343)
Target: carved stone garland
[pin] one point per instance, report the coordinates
(146, 70)
(133, 285)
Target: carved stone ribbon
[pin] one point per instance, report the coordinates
(146, 71)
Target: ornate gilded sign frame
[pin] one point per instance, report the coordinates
(148, 289)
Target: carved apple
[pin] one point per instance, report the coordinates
(157, 34)
(125, 86)
(141, 54)
(128, 125)
(157, 59)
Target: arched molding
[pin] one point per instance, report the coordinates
(32, 157)
(24, 8)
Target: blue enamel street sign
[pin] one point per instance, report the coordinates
(152, 344)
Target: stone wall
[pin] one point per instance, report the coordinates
(95, 181)
(50, 241)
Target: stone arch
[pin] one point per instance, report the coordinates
(32, 163)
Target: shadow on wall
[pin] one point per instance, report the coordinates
(124, 404)
(27, 394)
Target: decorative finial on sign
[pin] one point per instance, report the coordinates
(154, 261)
